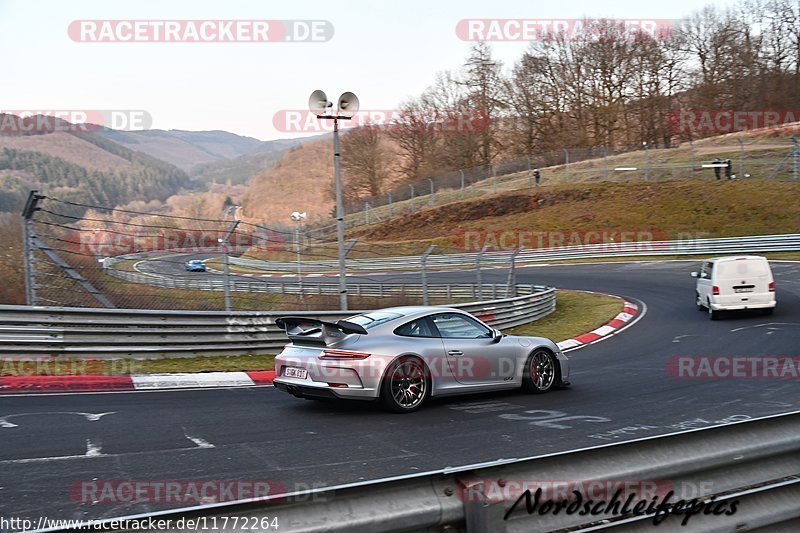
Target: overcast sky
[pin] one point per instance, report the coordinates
(383, 51)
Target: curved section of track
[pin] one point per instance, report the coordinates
(622, 389)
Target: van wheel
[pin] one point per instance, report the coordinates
(713, 315)
(699, 302)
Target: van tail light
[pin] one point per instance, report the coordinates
(771, 286)
(343, 354)
(715, 290)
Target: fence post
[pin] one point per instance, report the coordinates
(479, 277)
(646, 162)
(566, 161)
(432, 199)
(691, 149)
(412, 198)
(226, 267)
(511, 283)
(796, 156)
(494, 178)
(424, 265)
(741, 157)
(462, 183)
(28, 259)
(391, 210)
(605, 160)
(366, 212)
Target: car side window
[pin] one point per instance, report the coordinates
(458, 326)
(420, 327)
(705, 272)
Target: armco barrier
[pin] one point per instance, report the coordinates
(752, 465)
(728, 245)
(115, 333)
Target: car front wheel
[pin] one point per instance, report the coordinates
(406, 386)
(540, 372)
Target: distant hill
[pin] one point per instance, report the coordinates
(81, 167)
(185, 149)
(300, 181)
(241, 169)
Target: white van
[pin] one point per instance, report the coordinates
(735, 283)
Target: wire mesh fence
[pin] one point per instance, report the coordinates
(771, 158)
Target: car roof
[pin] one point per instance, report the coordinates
(736, 258)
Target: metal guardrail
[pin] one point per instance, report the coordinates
(727, 245)
(754, 462)
(115, 333)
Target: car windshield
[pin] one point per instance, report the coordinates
(370, 320)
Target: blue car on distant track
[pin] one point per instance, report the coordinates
(195, 265)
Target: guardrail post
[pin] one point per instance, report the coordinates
(494, 178)
(423, 260)
(366, 212)
(411, 202)
(432, 199)
(691, 149)
(391, 210)
(605, 160)
(511, 283)
(479, 277)
(462, 183)
(796, 157)
(646, 163)
(566, 161)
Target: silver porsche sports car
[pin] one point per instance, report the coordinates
(404, 355)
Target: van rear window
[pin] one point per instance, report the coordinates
(741, 268)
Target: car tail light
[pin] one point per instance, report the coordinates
(715, 290)
(343, 354)
(771, 286)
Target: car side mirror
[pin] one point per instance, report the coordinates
(496, 335)
(695, 274)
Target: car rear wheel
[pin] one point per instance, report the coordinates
(540, 372)
(405, 386)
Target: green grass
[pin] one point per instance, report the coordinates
(576, 313)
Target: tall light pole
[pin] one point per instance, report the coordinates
(298, 217)
(347, 107)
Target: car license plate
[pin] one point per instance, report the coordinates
(294, 372)
(744, 289)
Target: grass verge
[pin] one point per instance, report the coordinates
(576, 313)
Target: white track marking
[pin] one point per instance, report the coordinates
(201, 443)
(93, 449)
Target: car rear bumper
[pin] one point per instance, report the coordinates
(310, 389)
(742, 307)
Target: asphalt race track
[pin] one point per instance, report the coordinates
(621, 390)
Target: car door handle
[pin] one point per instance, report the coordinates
(455, 352)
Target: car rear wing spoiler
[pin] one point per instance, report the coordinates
(314, 331)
